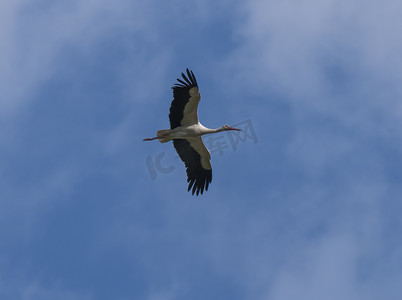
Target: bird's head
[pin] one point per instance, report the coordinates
(227, 127)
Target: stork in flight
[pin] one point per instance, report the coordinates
(186, 131)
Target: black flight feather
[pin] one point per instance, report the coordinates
(181, 96)
(197, 177)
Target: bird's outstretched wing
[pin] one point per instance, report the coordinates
(197, 158)
(183, 110)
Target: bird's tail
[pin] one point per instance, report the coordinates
(163, 135)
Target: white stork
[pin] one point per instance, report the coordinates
(186, 132)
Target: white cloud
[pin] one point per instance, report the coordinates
(21, 205)
(330, 269)
(34, 291)
(325, 270)
(319, 246)
(33, 36)
(302, 50)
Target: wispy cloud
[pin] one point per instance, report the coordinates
(322, 54)
(26, 290)
(35, 35)
(335, 65)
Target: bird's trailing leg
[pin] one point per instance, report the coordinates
(150, 139)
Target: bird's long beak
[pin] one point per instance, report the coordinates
(232, 128)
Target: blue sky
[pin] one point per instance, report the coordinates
(309, 210)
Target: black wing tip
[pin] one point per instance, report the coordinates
(189, 80)
(197, 185)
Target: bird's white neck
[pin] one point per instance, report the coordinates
(215, 130)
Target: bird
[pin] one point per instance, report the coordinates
(186, 131)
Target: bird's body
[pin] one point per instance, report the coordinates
(186, 132)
